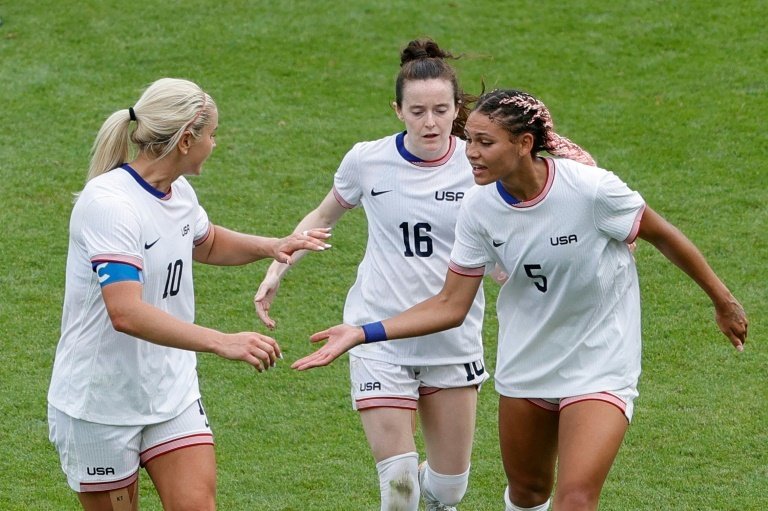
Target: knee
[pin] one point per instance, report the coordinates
(446, 489)
(576, 499)
(530, 491)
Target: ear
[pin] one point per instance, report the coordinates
(185, 143)
(398, 111)
(526, 143)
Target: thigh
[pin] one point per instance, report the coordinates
(528, 437)
(389, 431)
(590, 435)
(123, 499)
(185, 478)
(179, 457)
(448, 424)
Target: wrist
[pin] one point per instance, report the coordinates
(374, 332)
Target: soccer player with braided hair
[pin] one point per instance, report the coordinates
(569, 343)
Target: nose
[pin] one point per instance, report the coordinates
(471, 151)
(430, 120)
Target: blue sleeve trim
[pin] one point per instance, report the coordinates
(374, 332)
(109, 272)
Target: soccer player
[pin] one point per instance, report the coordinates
(410, 185)
(569, 314)
(124, 390)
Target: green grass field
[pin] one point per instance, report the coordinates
(672, 96)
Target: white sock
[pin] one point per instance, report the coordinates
(446, 489)
(512, 507)
(399, 482)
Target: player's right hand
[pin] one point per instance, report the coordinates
(261, 351)
(340, 339)
(264, 297)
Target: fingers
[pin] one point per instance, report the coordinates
(319, 336)
(262, 310)
(317, 359)
(314, 239)
(260, 351)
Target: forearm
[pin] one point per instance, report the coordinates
(681, 251)
(326, 214)
(154, 325)
(230, 248)
(432, 315)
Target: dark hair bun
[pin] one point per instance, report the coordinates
(422, 49)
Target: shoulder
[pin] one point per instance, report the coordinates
(104, 190)
(375, 146)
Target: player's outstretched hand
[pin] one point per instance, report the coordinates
(312, 239)
(733, 322)
(340, 339)
(264, 297)
(261, 351)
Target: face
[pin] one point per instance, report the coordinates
(198, 150)
(491, 150)
(428, 110)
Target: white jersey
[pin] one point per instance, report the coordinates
(569, 315)
(99, 374)
(411, 207)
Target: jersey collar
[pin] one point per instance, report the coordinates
(148, 187)
(415, 160)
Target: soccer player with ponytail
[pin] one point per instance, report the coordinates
(569, 343)
(124, 391)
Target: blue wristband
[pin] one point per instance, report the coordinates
(374, 332)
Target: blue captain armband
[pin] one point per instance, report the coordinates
(374, 332)
(110, 272)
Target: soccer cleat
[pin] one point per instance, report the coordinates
(431, 504)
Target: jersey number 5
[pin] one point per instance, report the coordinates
(540, 281)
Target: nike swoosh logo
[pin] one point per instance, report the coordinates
(374, 193)
(498, 243)
(147, 246)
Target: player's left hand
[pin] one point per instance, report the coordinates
(312, 239)
(733, 322)
(340, 339)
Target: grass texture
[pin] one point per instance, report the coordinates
(671, 96)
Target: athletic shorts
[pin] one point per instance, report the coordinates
(104, 457)
(623, 399)
(377, 384)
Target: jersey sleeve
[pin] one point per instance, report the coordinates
(469, 255)
(346, 181)
(111, 232)
(203, 226)
(618, 209)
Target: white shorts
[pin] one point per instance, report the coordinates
(377, 384)
(623, 399)
(105, 457)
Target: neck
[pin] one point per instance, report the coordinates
(423, 153)
(160, 174)
(528, 181)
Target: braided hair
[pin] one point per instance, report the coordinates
(519, 112)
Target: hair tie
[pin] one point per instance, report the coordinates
(131, 113)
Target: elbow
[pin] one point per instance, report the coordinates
(456, 319)
(453, 313)
(121, 322)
